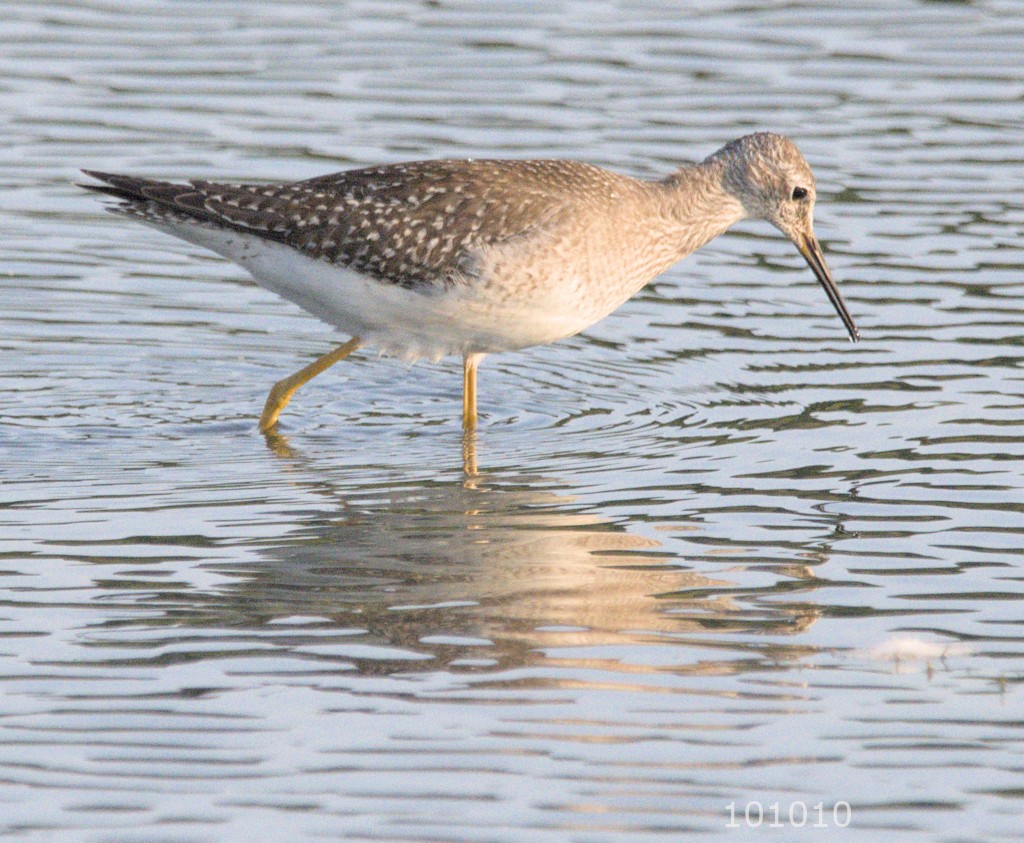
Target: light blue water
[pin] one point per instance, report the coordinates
(697, 527)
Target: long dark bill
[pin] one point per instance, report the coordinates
(811, 250)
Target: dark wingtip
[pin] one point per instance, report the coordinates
(105, 189)
(117, 185)
(93, 174)
(109, 178)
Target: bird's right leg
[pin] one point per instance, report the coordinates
(469, 364)
(282, 391)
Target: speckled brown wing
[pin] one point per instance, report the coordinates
(407, 224)
(424, 222)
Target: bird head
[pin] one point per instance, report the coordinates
(774, 182)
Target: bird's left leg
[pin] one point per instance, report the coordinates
(282, 391)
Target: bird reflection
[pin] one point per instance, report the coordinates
(510, 561)
(488, 569)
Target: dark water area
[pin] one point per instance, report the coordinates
(715, 554)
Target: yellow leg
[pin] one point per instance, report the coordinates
(469, 364)
(282, 391)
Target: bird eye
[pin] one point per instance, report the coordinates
(799, 192)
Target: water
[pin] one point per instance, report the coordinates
(701, 534)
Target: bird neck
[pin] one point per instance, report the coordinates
(699, 205)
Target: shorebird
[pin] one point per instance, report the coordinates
(473, 257)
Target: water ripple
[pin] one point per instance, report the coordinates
(714, 552)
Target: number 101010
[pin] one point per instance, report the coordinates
(795, 815)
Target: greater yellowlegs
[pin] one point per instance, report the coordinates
(433, 258)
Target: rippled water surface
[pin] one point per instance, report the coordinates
(715, 553)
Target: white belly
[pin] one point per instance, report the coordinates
(398, 321)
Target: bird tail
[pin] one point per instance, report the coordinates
(177, 207)
(151, 200)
